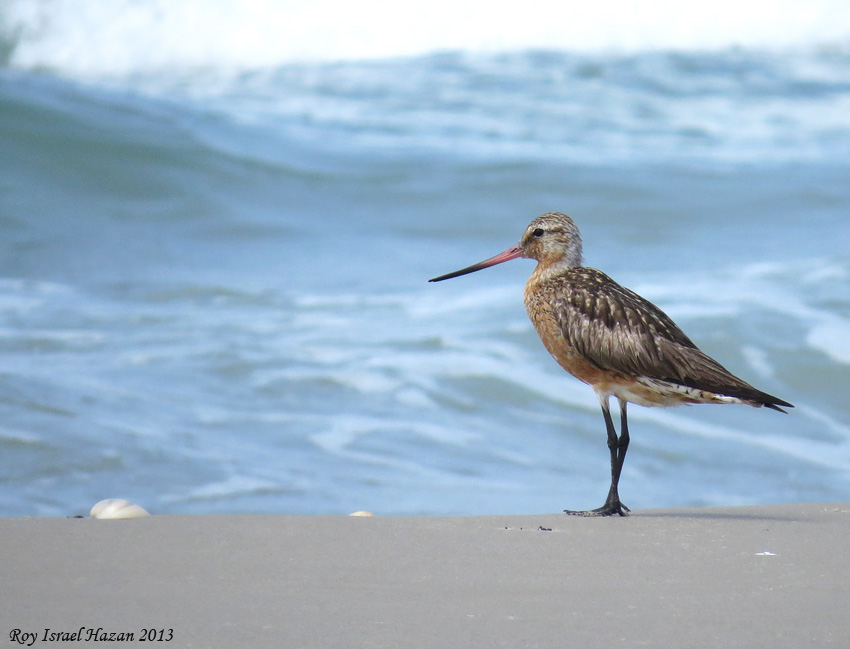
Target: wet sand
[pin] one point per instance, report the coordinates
(767, 576)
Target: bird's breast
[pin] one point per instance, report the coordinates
(539, 303)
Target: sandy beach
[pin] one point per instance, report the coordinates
(773, 576)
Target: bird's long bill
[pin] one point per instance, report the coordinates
(511, 253)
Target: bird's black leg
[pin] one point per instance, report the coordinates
(617, 447)
(622, 447)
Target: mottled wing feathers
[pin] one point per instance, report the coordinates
(617, 330)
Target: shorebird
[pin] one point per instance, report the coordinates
(614, 340)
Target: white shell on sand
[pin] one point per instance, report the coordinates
(117, 508)
(361, 513)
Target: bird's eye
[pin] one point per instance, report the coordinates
(538, 232)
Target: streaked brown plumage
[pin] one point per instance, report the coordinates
(613, 339)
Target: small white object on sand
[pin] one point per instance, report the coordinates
(117, 508)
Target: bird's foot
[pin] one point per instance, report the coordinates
(608, 509)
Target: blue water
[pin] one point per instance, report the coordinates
(213, 260)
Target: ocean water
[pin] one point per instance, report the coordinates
(217, 222)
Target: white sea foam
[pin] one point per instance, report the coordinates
(831, 335)
(758, 361)
(8, 435)
(92, 38)
(828, 454)
(233, 485)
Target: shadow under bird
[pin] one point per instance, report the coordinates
(614, 340)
